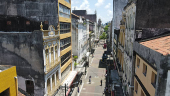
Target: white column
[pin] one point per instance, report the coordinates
(49, 51)
(54, 54)
(51, 85)
(44, 55)
(46, 86)
(55, 79)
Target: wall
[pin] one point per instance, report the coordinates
(7, 80)
(146, 80)
(74, 37)
(152, 14)
(36, 10)
(25, 51)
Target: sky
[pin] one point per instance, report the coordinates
(104, 8)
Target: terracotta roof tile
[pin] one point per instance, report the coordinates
(161, 45)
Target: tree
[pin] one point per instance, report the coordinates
(106, 28)
(75, 59)
(103, 36)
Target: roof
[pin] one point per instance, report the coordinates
(79, 12)
(91, 17)
(161, 45)
(74, 16)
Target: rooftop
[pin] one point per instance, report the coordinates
(161, 44)
(4, 67)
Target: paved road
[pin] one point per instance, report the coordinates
(97, 73)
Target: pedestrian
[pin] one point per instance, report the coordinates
(80, 82)
(101, 82)
(89, 79)
(78, 89)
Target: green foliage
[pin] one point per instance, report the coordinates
(75, 64)
(75, 57)
(103, 36)
(106, 28)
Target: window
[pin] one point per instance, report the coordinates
(144, 69)
(64, 43)
(29, 87)
(136, 87)
(153, 79)
(67, 1)
(64, 28)
(64, 11)
(65, 58)
(138, 62)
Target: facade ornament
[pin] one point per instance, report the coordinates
(41, 26)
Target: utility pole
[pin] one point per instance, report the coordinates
(65, 89)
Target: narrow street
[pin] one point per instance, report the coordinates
(97, 74)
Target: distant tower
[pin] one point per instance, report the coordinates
(95, 12)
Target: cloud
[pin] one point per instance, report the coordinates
(108, 6)
(99, 3)
(84, 6)
(110, 13)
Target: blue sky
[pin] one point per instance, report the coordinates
(104, 8)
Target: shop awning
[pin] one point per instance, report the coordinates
(68, 81)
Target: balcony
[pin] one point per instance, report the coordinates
(53, 64)
(54, 88)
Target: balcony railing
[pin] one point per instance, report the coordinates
(53, 64)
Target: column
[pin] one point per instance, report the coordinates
(55, 79)
(54, 55)
(51, 85)
(46, 91)
(49, 51)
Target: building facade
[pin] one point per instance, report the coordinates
(65, 37)
(151, 65)
(30, 39)
(130, 11)
(80, 37)
(121, 43)
(9, 81)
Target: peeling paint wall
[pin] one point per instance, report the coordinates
(25, 51)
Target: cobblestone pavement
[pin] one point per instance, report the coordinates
(97, 74)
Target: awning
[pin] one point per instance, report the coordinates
(70, 78)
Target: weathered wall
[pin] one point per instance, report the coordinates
(38, 10)
(25, 51)
(118, 6)
(152, 14)
(162, 63)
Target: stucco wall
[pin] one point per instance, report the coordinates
(25, 51)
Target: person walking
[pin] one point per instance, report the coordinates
(90, 79)
(101, 82)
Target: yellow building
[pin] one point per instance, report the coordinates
(121, 42)
(64, 11)
(8, 81)
(145, 78)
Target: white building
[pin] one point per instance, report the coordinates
(80, 35)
